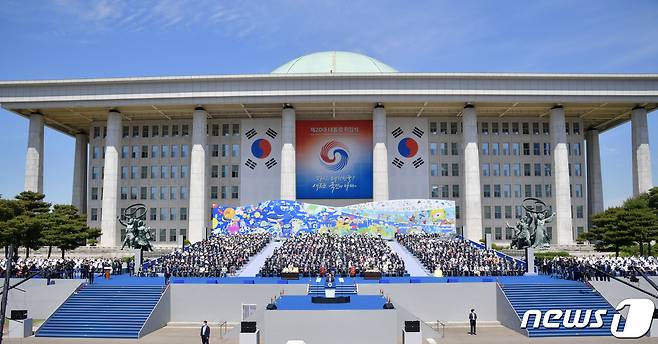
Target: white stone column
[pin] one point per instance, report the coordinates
(109, 222)
(34, 155)
(472, 188)
(379, 155)
(198, 218)
(561, 193)
(288, 168)
(79, 194)
(641, 153)
(594, 181)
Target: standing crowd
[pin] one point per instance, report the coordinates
(597, 268)
(69, 268)
(217, 256)
(444, 255)
(320, 253)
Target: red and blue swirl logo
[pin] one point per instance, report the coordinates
(334, 155)
(408, 147)
(261, 148)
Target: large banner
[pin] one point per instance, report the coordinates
(408, 156)
(334, 159)
(287, 218)
(260, 165)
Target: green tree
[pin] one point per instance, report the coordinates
(31, 222)
(642, 225)
(9, 209)
(66, 229)
(33, 202)
(641, 220)
(652, 199)
(608, 233)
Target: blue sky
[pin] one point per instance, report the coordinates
(85, 38)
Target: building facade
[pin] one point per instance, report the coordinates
(486, 141)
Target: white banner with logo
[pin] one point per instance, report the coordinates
(408, 157)
(260, 162)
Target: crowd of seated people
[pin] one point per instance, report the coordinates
(322, 253)
(444, 255)
(217, 256)
(70, 268)
(580, 268)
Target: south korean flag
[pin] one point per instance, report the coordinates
(407, 146)
(260, 159)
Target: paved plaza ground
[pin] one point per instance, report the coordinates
(453, 335)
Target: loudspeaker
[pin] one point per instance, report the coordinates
(248, 327)
(412, 326)
(19, 314)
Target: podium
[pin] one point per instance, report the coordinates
(20, 328)
(250, 338)
(411, 337)
(330, 292)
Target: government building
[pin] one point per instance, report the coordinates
(337, 128)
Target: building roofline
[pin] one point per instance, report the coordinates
(229, 77)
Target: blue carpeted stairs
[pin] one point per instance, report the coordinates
(103, 311)
(563, 296)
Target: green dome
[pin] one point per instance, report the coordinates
(333, 62)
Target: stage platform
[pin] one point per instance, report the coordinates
(303, 302)
(130, 280)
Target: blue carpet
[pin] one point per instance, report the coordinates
(126, 280)
(303, 302)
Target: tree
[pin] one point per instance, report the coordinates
(33, 202)
(636, 221)
(642, 224)
(608, 233)
(641, 220)
(31, 222)
(9, 209)
(652, 199)
(66, 229)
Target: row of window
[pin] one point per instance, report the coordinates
(155, 131)
(441, 148)
(147, 131)
(436, 170)
(144, 193)
(214, 171)
(172, 234)
(445, 128)
(162, 237)
(502, 127)
(165, 172)
(499, 212)
(505, 190)
(529, 170)
(166, 192)
(444, 191)
(509, 232)
(217, 192)
(572, 149)
(165, 151)
(143, 172)
(165, 214)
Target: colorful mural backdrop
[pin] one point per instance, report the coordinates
(334, 159)
(287, 218)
